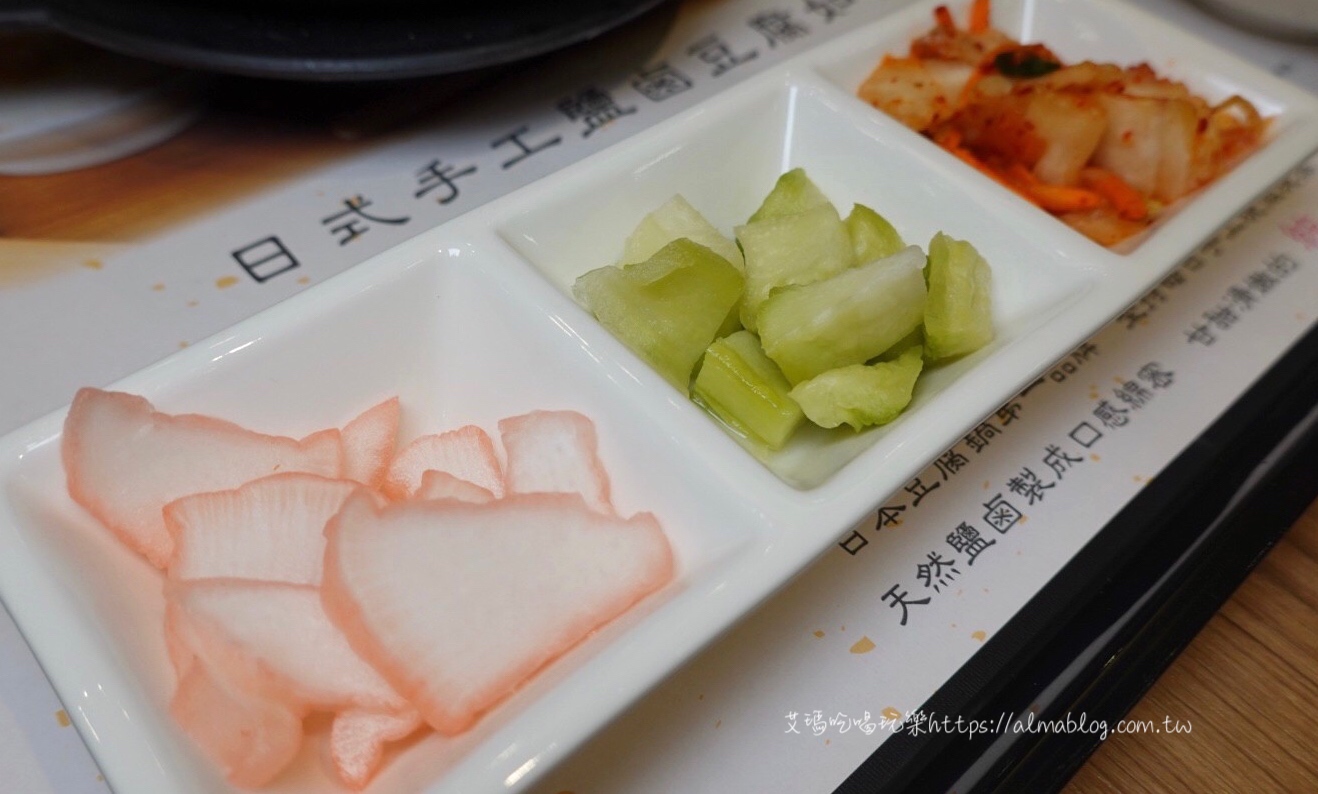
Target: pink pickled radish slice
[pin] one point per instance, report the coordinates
(250, 738)
(271, 529)
(125, 461)
(442, 485)
(274, 638)
(368, 444)
(179, 642)
(467, 453)
(458, 604)
(357, 740)
(555, 452)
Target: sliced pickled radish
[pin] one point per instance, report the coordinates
(457, 604)
(368, 444)
(249, 737)
(442, 485)
(274, 638)
(271, 529)
(294, 586)
(555, 452)
(467, 453)
(357, 740)
(125, 461)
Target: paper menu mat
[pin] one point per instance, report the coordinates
(816, 650)
(40, 752)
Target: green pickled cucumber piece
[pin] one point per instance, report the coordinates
(792, 193)
(672, 221)
(732, 324)
(844, 320)
(791, 249)
(872, 237)
(861, 395)
(959, 316)
(743, 388)
(667, 308)
(913, 339)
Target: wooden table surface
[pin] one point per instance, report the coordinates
(1248, 684)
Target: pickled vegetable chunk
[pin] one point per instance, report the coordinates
(826, 319)
(848, 319)
(791, 249)
(872, 237)
(668, 308)
(793, 193)
(676, 220)
(860, 395)
(959, 315)
(740, 385)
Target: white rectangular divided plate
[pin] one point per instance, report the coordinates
(473, 321)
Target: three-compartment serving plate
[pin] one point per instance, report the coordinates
(473, 321)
